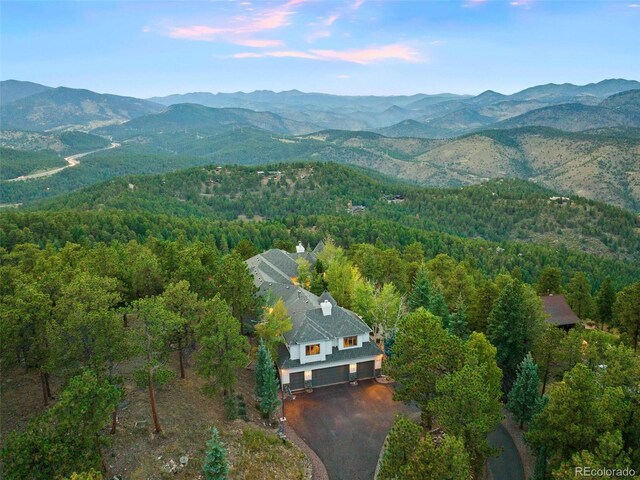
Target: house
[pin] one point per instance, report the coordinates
(559, 312)
(328, 344)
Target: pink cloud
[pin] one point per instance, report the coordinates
(291, 54)
(196, 32)
(357, 4)
(364, 56)
(371, 55)
(241, 28)
(248, 55)
(330, 20)
(257, 43)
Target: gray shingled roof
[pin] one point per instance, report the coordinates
(272, 271)
(368, 349)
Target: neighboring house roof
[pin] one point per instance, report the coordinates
(559, 311)
(273, 271)
(368, 349)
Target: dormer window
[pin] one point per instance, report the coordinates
(350, 341)
(312, 349)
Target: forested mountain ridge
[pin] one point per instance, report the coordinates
(71, 109)
(12, 90)
(601, 164)
(498, 210)
(196, 118)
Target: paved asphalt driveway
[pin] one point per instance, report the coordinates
(346, 425)
(508, 465)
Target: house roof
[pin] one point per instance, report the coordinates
(559, 311)
(273, 271)
(368, 349)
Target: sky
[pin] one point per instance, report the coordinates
(355, 47)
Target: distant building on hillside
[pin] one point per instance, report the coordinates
(559, 312)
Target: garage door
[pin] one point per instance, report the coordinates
(296, 381)
(329, 376)
(366, 370)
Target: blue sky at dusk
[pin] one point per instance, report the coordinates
(356, 47)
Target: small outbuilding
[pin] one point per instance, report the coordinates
(559, 312)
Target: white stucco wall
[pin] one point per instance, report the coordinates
(294, 352)
(325, 349)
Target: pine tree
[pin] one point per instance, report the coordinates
(604, 302)
(540, 468)
(458, 322)
(269, 400)
(216, 465)
(261, 360)
(420, 295)
(438, 306)
(401, 442)
(266, 382)
(550, 281)
(508, 330)
(579, 296)
(222, 347)
(524, 397)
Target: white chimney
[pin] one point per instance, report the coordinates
(299, 248)
(326, 308)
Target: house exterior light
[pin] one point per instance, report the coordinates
(378, 364)
(307, 375)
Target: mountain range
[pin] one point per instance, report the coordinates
(575, 139)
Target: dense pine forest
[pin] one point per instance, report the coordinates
(126, 290)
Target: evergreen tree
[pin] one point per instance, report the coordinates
(420, 295)
(317, 285)
(509, 330)
(540, 468)
(468, 406)
(438, 306)
(67, 438)
(216, 465)
(423, 352)
(245, 249)
(399, 447)
(448, 459)
(235, 285)
(481, 305)
(579, 296)
(179, 299)
(266, 382)
(524, 397)
(269, 401)
(550, 281)
(605, 299)
(458, 325)
(389, 340)
(222, 348)
(627, 312)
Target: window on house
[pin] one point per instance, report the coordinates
(312, 349)
(350, 341)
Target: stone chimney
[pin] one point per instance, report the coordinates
(326, 308)
(299, 248)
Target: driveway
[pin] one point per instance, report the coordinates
(508, 465)
(346, 425)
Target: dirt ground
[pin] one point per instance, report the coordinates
(186, 416)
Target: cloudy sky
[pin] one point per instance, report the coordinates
(148, 48)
